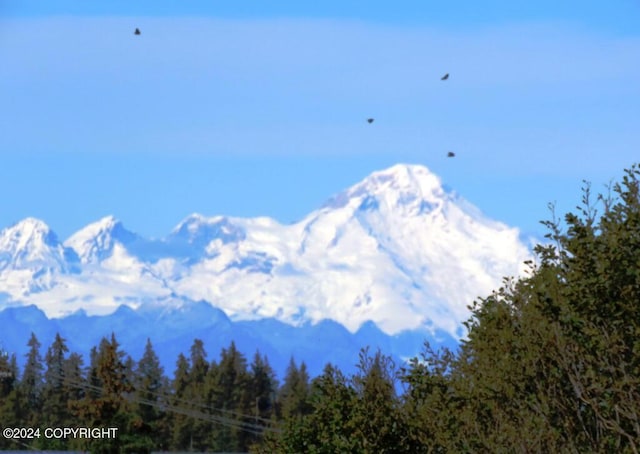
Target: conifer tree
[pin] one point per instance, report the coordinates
(55, 411)
(94, 383)
(54, 400)
(293, 396)
(195, 393)
(151, 388)
(8, 373)
(109, 405)
(75, 382)
(10, 398)
(180, 423)
(262, 389)
(31, 383)
(326, 428)
(264, 386)
(377, 421)
(231, 401)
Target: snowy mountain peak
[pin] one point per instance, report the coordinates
(27, 237)
(192, 223)
(27, 231)
(30, 244)
(96, 241)
(401, 185)
(197, 230)
(107, 222)
(404, 177)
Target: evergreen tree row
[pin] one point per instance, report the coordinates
(225, 405)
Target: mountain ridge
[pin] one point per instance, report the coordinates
(397, 249)
(173, 330)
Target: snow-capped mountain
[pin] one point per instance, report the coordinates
(97, 242)
(396, 249)
(31, 244)
(30, 256)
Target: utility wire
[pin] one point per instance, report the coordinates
(223, 420)
(202, 405)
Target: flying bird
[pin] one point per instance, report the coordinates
(370, 120)
(445, 77)
(450, 154)
(137, 32)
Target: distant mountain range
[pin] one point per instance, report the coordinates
(172, 329)
(396, 251)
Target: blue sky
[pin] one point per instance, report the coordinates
(258, 108)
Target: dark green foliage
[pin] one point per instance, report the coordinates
(207, 406)
(55, 393)
(11, 403)
(75, 381)
(150, 395)
(598, 318)
(181, 434)
(231, 398)
(32, 382)
(378, 423)
(326, 427)
(293, 397)
(54, 397)
(431, 403)
(194, 397)
(8, 373)
(361, 415)
(551, 361)
(263, 387)
(106, 403)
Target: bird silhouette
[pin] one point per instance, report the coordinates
(137, 32)
(370, 120)
(450, 154)
(445, 77)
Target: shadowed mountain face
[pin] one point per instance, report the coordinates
(172, 327)
(396, 249)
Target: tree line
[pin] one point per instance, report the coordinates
(223, 405)
(550, 363)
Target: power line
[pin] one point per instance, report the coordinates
(60, 375)
(218, 419)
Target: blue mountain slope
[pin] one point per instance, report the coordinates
(172, 331)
